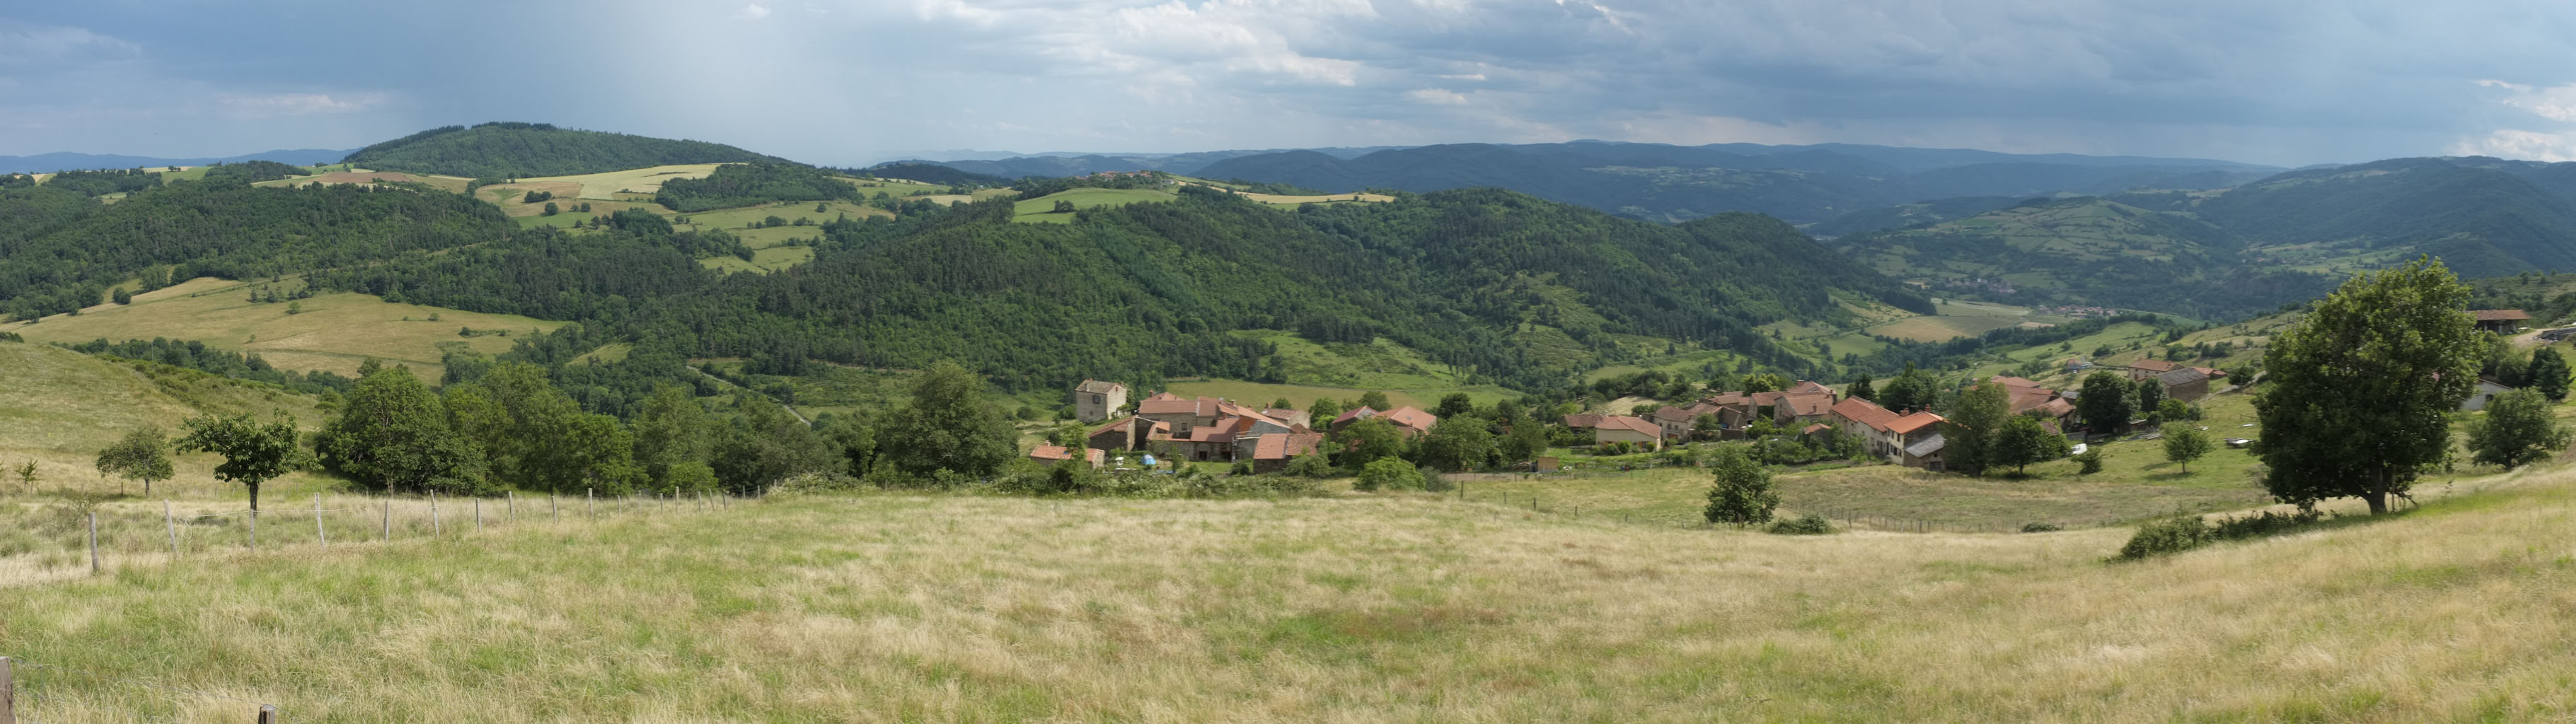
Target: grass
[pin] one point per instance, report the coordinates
(601, 186)
(1259, 394)
(1042, 209)
(1942, 329)
(63, 407)
(762, 261)
(335, 332)
(1356, 608)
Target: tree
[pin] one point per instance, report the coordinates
(1063, 206)
(120, 296)
(948, 427)
(2548, 373)
(1282, 404)
(1311, 465)
(1375, 400)
(2150, 394)
(138, 456)
(1458, 443)
(1368, 441)
(1324, 410)
(2184, 444)
(2518, 429)
(2104, 404)
(1526, 438)
(253, 453)
(1970, 426)
(2090, 462)
(1912, 389)
(2024, 440)
(534, 436)
(2172, 409)
(1454, 404)
(550, 209)
(1388, 474)
(2359, 390)
(1861, 388)
(764, 445)
(1743, 493)
(393, 434)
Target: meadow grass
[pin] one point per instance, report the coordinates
(1042, 209)
(335, 332)
(1351, 608)
(762, 261)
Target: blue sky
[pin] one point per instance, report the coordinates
(2286, 83)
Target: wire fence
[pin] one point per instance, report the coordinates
(1575, 507)
(35, 693)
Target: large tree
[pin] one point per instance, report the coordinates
(2024, 440)
(1458, 443)
(253, 453)
(2104, 402)
(670, 430)
(536, 437)
(2518, 429)
(1742, 494)
(1368, 441)
(138, 456)
(393, 434)
(1971, 423)
(2548, 373)
(2360, 389)
(947, 426)
(1909, 390)
(2184, 443)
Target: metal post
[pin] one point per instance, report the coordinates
(510, 505)
(93, 544)
(318, 533)
(172, 523)
(478, 515)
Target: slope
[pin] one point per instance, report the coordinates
(508, 149)
(64, 406)
(1384, 608)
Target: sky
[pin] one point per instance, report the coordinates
(2287, 82)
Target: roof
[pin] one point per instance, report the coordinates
(1730, 398)
(2153, 365)
(2015, 383)
(1767, 399)
(2059, 407)
(1304, 443)
(1864, 412)
(1112, 426)
(1166, 404)
(1407, 416)
(2026, 399)
(1356, 413)
(1926, 446)
(1812, 429)
(1581, 422)
(1097, 456)
(1281, 446)
(2184, 376)
(2499, 315)
(1051, 452)
(1671, 413)
(2213, 372)
(1806, 387)
(1632, 424)
(1913, 422)
(1808, 404)
(1096, 386)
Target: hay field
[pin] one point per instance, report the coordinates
(335, 332)
(1347, 609)
(1041, 210)
(601, 186)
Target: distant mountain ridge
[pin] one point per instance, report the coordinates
(68, 161)
(512, 149)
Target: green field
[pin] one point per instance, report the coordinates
(63, 406)
(334, 332)
(762, 261)
(1257, 394)
(1042, 209)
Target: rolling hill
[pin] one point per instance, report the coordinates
(505, 149)
(65, 161)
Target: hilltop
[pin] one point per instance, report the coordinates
(508, 150)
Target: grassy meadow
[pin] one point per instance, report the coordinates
(1042, 209)
(334, 332)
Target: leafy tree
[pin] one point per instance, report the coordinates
(1388, 474)
(2090, 462)
(1766, 382)
(1912, 389)
(2104, 404)
(2549, 373)
(1971, 425)
(1524, 440)
(1063, 206)
(1324, 410)
(2172, 410)
(2360, 389)
(1458, 443)
(855, 438)
(1375, 400)
(1454, 404)
(1282, 404)
(764, 445)
(948, 427)
(2518, 429)
(2150, 394)
(550, 209)
(120, 296)
(392, 433)
(1743, 493)
(2184, 444)
(1368, 441)
(2024, 440)
(138, 456)
(534, 436)
(253, 453)
(1309, 466)
(1862, 388)
(670, 429)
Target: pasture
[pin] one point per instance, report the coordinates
(333, 332)
(1042, 209)
(762, 261)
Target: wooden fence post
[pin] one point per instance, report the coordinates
(478, 515)
(8, 693)
(590, 502)
(553, 510)
(267, 714)
(389, 520)
(93, 544)
(168, 521)
(510, 505)
(318, 532)
(433, 515)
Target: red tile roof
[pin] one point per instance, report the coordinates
(1807, 387)
(1864, 412)
(1166, 404)
(1051, 453)
(1913, 422)
(1633, 424)
(1767, 399)
(1412, 418)
(1671, 413)
(1809, 404)
(1113, 425)
(1812, 429)
(2059, 407)
(2499, 315)
(1357, 413)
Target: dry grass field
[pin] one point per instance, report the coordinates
(335, 332)
(1345, 609)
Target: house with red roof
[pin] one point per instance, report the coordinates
(1052, 454)
(1913, 439)
(1633, 430)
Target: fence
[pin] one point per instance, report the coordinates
(1543, 504)
(30, 694)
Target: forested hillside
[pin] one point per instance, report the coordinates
(517, 150)
(2227, 254)
(753, 183)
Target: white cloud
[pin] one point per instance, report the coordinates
(2555, 103)
(298, 104)
(1437, 96)
(751, 11)
(28, 44)
(2528, 145)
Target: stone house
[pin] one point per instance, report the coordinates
(1094, 400)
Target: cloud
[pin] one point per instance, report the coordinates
(752, 11)
(2528, 145)
(1437, 96)
(297, 104)
(2556, 103)
(28, 44)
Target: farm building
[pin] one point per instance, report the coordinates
(1094, 400)
(1633, 430)
(2500, 321)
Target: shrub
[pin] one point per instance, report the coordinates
(2171, 535)
(1309, 466)
(2090, 462)
(2040, 528)
(1803, 525)
(1742, 493)
(1388, 474)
